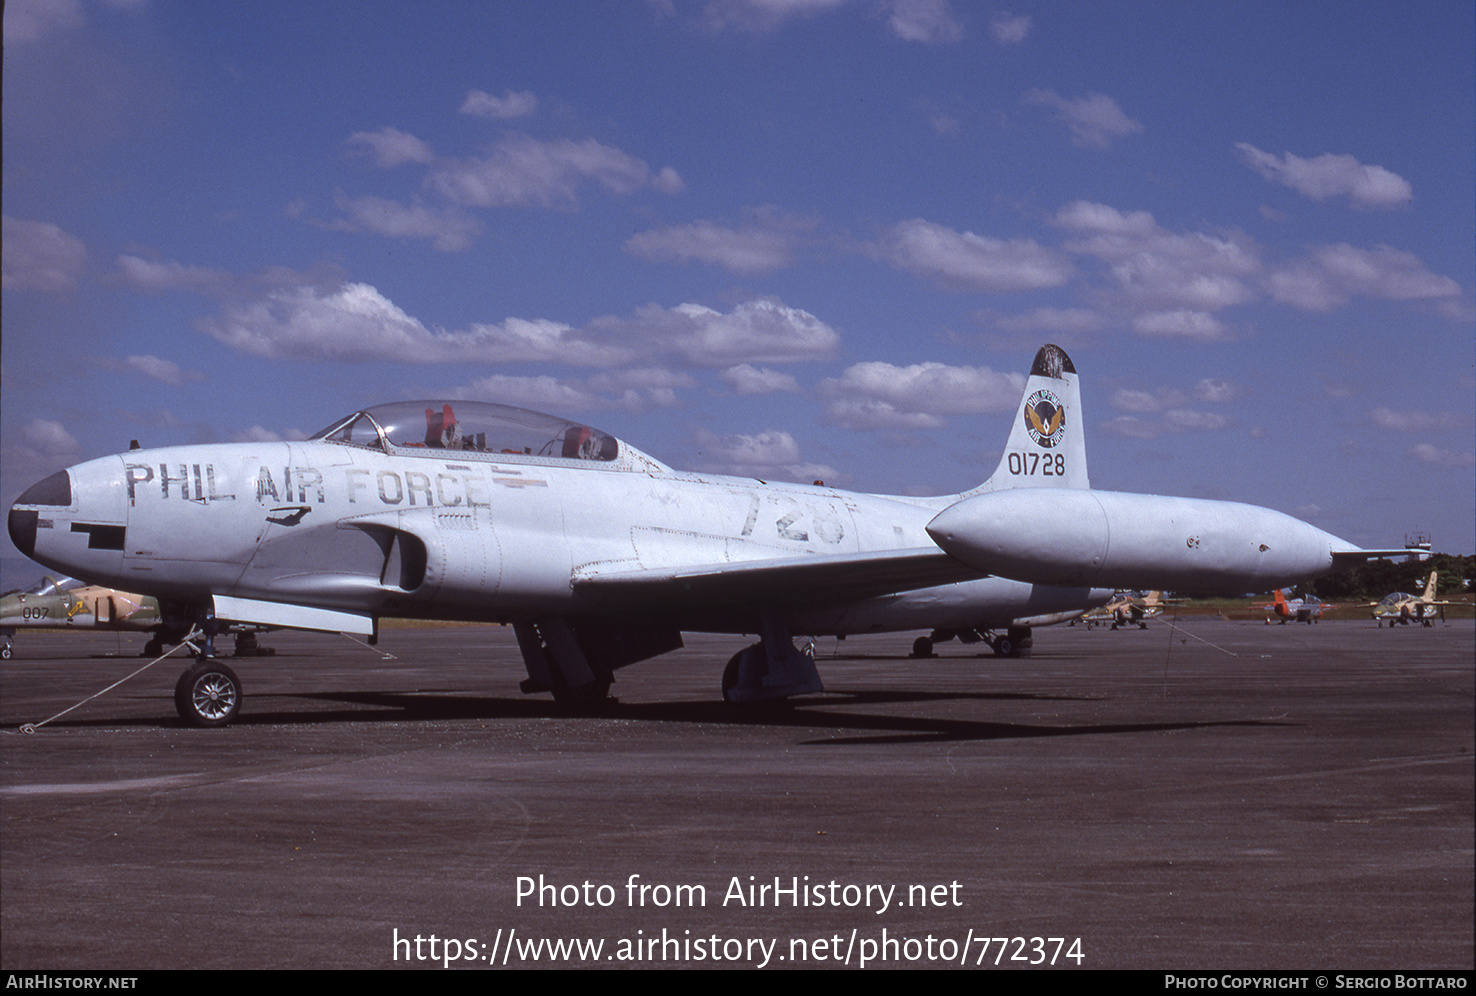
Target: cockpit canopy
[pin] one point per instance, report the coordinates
(53, 586)
(470, 427)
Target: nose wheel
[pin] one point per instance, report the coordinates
(208, 694)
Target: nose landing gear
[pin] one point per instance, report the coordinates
(208, 694)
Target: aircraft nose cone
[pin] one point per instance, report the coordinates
(74, 521)
(22, 528)
(55, 490)
(22, 525)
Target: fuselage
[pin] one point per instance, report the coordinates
(601, 556)
(421, 532)
(484, 512)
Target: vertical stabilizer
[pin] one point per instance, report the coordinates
(1429, 595)
(1047, 446)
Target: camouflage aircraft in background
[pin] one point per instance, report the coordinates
(65, 603)
(1401, 608)
(1127, 608)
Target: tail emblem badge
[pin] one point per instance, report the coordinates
(1045, 419)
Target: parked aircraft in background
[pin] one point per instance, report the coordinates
(1127, 608)
(66, 603)
(601, 556)
(1402, 608)
(1307, 609)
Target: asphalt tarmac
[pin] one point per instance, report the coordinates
(1224, 795)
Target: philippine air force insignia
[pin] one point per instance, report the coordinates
(1045, 419)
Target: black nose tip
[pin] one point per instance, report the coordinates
(53, 490)
(23, 530)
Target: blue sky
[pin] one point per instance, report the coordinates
(795, 239)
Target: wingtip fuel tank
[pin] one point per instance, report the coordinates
(1065, 536)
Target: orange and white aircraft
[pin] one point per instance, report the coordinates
(1307, 609)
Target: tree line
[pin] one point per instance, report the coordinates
(1377, 578)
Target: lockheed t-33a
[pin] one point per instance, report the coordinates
(600, 556)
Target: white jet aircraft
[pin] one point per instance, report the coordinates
(601, 556)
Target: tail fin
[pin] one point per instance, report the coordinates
(1047, 447)
(1429, 595)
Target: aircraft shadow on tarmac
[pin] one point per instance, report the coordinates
(815, 713)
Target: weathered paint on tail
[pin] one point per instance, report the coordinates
(1047, 445)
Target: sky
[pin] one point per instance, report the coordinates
(790, 239)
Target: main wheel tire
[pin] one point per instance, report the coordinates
(208, 694)
(922, 647)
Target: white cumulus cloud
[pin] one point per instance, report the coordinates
(968, 262)
(1329, 276)
(764, 244)
(1009, 29)
(1432, 454)
(448, 229)
(1171, 282)
(392, 147)
(38, 255)
(878, 395)
(748, 379)
(49, 438)
(1330, 175)
(481, 104)
(1095, 121)
(290, 316)
(928, 21)
(765, 455)
(161, 369)
(525, 171)
(760, 331)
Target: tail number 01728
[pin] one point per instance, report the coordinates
(1046, 465)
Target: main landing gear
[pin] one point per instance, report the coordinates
(1015, 641)
(577, 661)
(771, 669)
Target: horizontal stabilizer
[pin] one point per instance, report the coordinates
(1346, 559)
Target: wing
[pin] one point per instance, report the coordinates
(806, 580)
(1344, 559)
